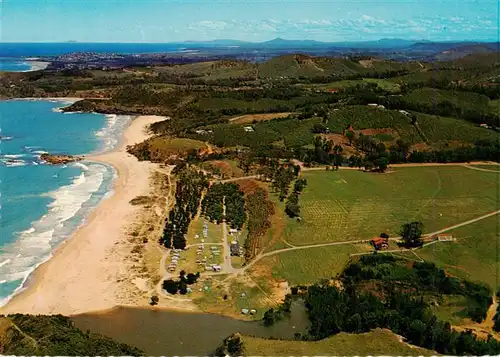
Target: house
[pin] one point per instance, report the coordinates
(379, 243)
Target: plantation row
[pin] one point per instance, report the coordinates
(189, 188)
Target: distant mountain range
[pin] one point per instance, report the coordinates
(384, 43)
(394, 48)
(390, 48)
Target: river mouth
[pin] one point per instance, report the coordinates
(169, 332)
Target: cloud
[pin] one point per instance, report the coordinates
(372, 20)
(364, 27)
(208, 25)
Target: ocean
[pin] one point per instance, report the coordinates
(41, 205)
(14, 65)
(21, 50)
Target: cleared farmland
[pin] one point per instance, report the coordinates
(473, 256)
(351, 205)
(309, 265)
(250, 118)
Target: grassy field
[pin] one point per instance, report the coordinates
(168, 146)
(241, 294)
(251, 118)
(307, 266)
(352, 205)
(214, 236)
(474, 256)
(377, 342)
(450, 308)
(488, 167)
(224, 168)
(495, 106)
(292, 132)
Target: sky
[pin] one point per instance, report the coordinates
(254, 20)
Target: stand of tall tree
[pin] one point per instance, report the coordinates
(180, 286)
(281, 177)
(260, 210)
(292, 207)
(189, 188)
(396, 300)
(227, 194)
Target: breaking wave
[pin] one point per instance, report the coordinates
(68, 209)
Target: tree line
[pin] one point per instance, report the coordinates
(292, 207)
(259, 210)
(189, 187)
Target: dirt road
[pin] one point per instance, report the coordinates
(278, 251)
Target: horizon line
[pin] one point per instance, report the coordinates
(258, 42)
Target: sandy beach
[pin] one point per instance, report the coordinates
(37, 65)
(83, 273)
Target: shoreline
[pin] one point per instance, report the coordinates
(36, 65)
(85, 270)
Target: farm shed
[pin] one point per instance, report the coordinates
(379, 243)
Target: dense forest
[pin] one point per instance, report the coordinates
(381, 291)
(28, 335)
(230, 196)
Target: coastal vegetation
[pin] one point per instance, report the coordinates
(55, 335)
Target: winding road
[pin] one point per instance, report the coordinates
(278, 251)
(228, 269)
